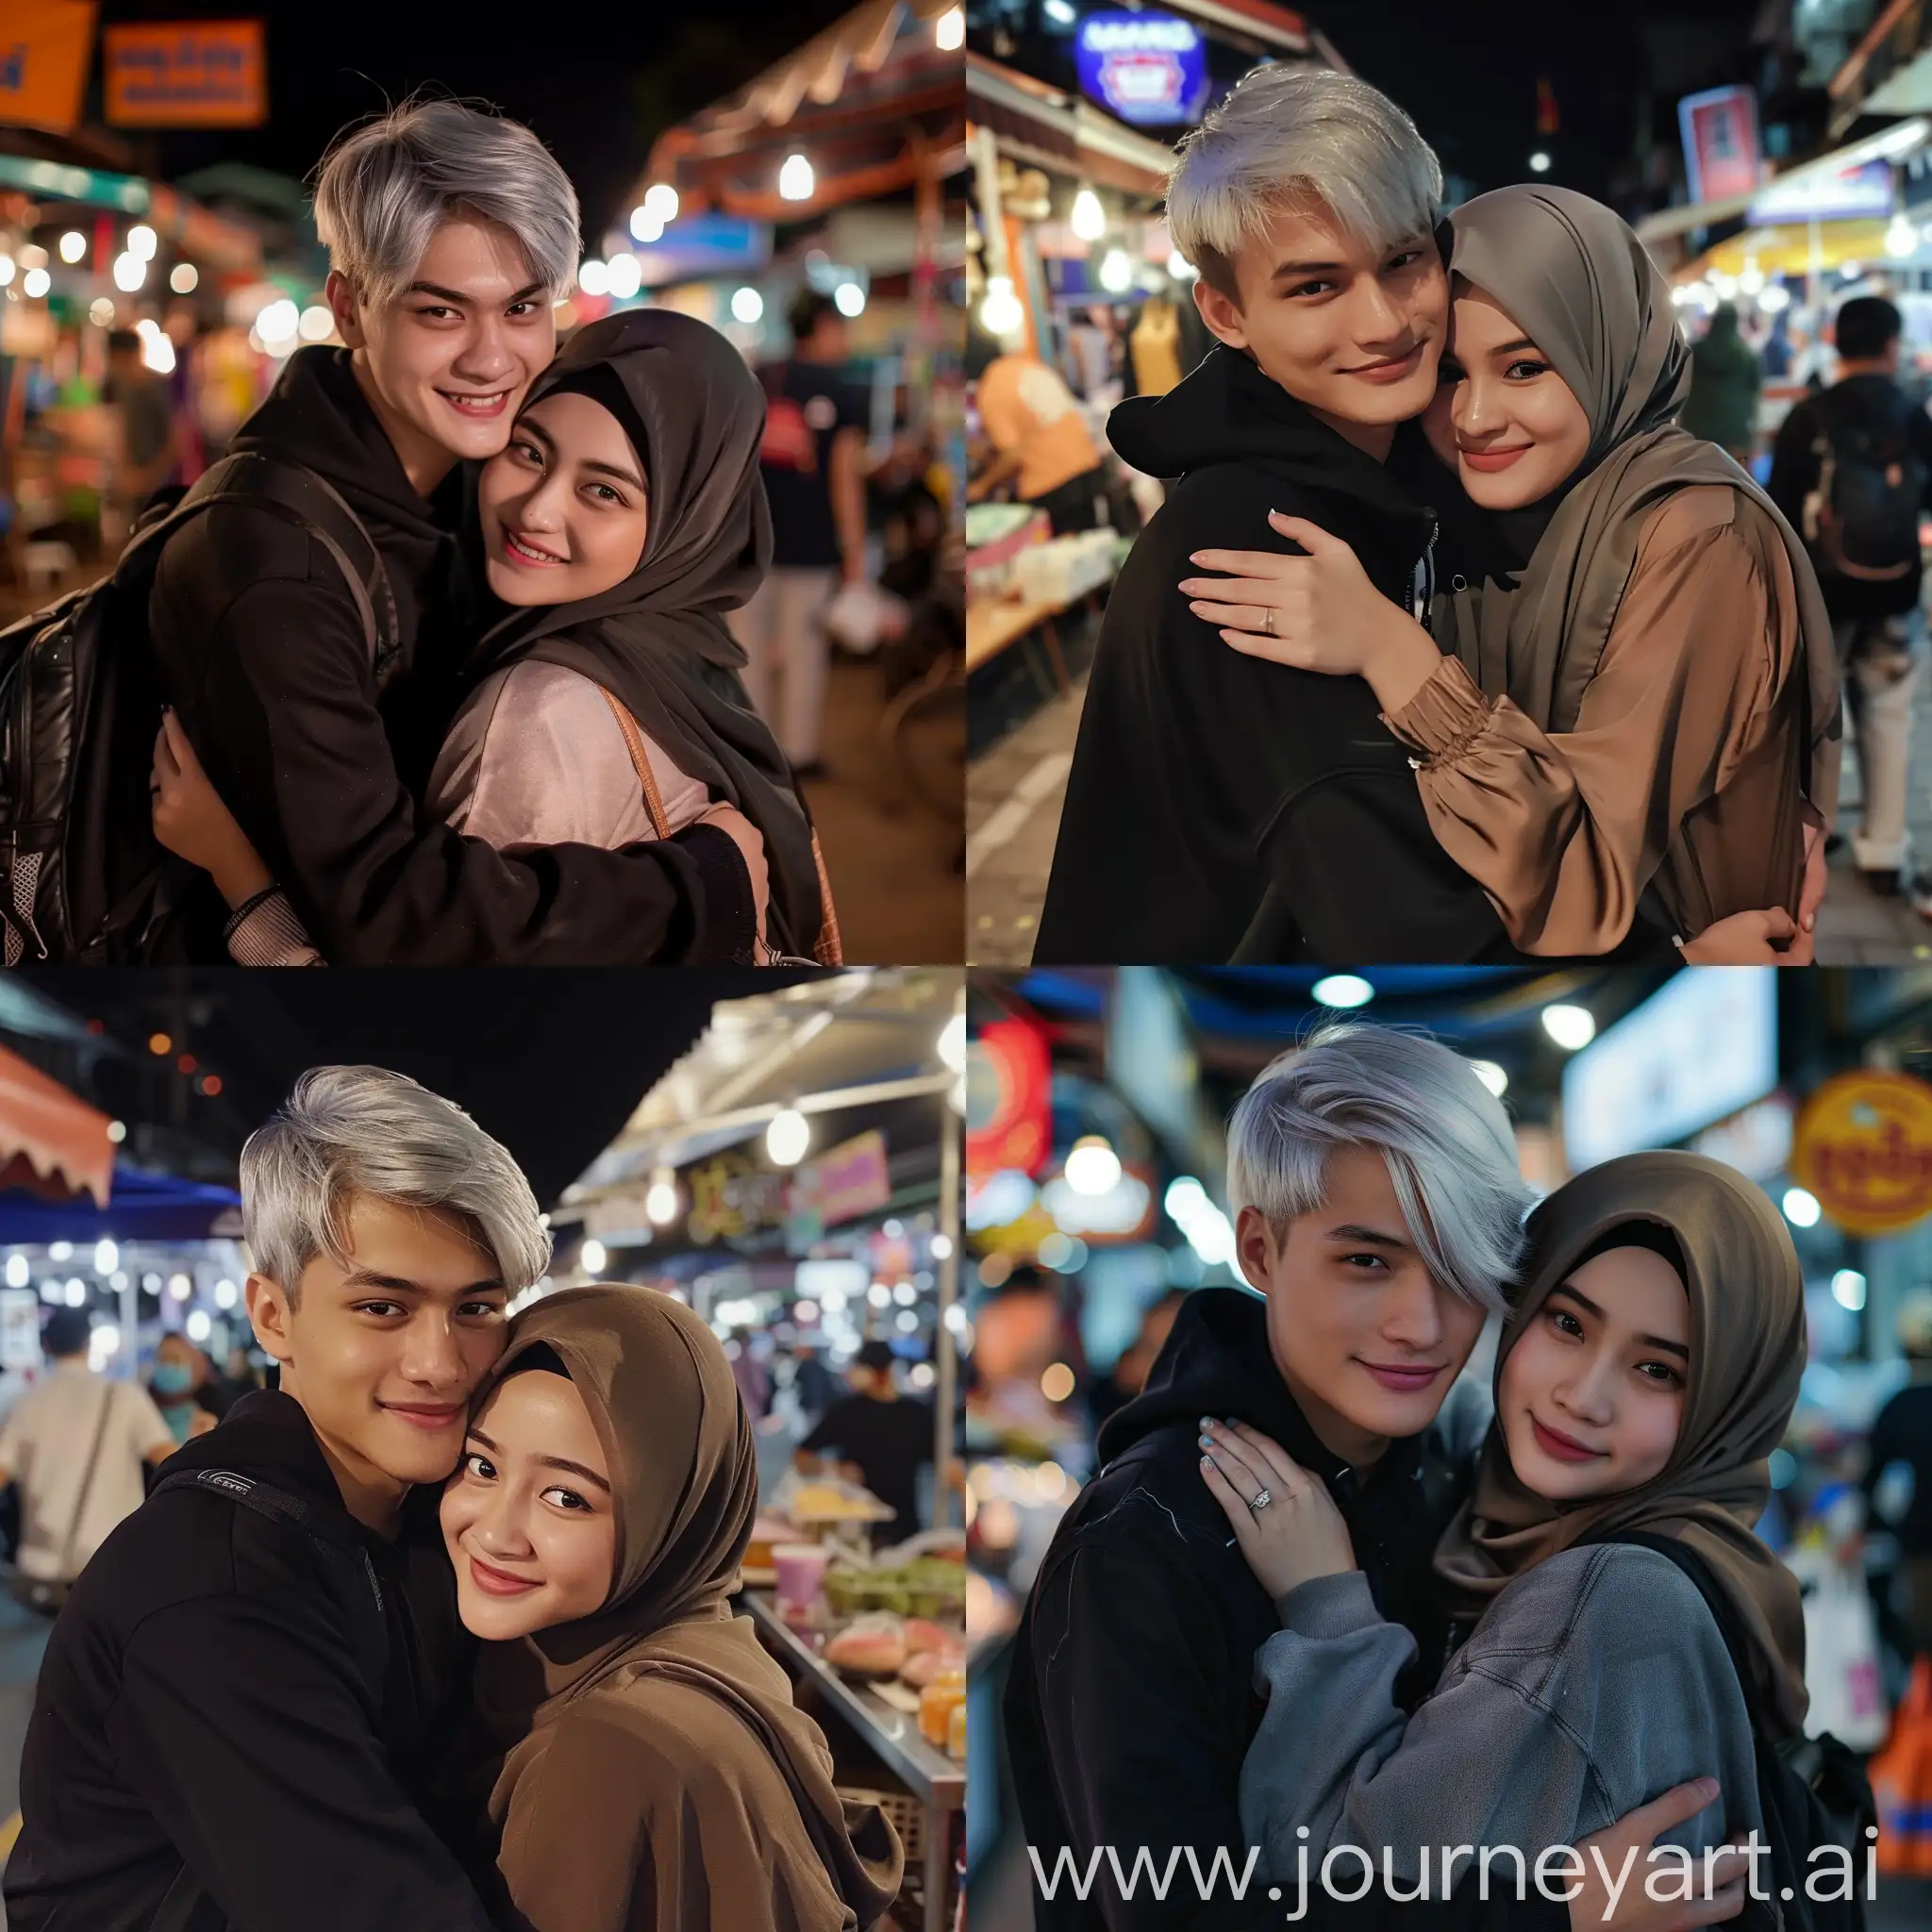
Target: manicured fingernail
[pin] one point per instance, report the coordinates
(1206, 1462)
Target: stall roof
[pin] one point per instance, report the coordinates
(51, 1143)
(1044, 127)
(177, 218)
(141, 1208)
(873, 100)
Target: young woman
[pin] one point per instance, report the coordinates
(622, 519)
(635, 1762)
(1643, 1381)
(1628, 727)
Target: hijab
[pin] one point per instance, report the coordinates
(658, 642)
(1584, 290)
(1747, 1352)
(684, 1478)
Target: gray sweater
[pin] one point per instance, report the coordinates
(1592, 1684)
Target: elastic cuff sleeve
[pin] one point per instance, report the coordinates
(1447, 714)
(267, 932)
(728, 928)
(1329, 1606)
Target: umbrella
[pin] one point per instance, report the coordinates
(142, 1207)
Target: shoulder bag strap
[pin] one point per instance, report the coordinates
(86, 1484)
(641, 761)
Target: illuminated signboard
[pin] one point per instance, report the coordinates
(1147, 68)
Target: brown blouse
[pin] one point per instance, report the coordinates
(1687, 765)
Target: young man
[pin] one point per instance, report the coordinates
(1380, 1216)
(240, 1707)
(450, 234)
(1865, 543)
(1223, 809)
(878, 1434)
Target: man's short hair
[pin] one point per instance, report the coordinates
(385, 187)
(874, 1355)
(1291, 138)
(806, 310)
(349, 1133)
(69, 1332)
(123, 342)
(1450, 1150)
(1865, 327)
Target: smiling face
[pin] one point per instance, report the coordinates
(1501, 416)
(527, 1518)
(1591, 1396)
(383, 1347)
(447, 364)
(1366, 1340)
(563, 509)
(1352, 330)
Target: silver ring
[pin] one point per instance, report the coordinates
(1268, 619)
(1261, 1502)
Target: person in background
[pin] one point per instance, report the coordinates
(145, 416)
(1898, 1483)
(1851, 471)
(76, 1444)
(1726, 376)
(753, 1378)
(814, 1384)
(813, 464)
(185, 1389)
(1128, 1376)
(1042, 443)
(876, 1436)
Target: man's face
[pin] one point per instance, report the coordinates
(1362, 1333)
(1352, 331)
(384, 1348)
(449, 359)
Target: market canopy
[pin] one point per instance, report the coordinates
(141, 1208)
(193, 229)
(52, 1143)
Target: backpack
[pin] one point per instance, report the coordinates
(1814, 1791)
(1862, 521)
(83, 880)
(187, 1906)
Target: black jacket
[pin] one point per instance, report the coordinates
(1220, 807)
(264, 655)
(204, 1699)
(1131, 1701)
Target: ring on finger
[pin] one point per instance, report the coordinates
(1268, 619)
(1261, 1501)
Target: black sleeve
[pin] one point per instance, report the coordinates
(1920, 424)
(272, 687)
(239, 1726)
(1793, 464)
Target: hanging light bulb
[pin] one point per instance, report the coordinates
(1089, 220)
(788, 1136)
(795, 182)
(1000, 313)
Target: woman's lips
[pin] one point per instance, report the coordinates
(1564, 1448)
(1398, 371)
(1488, 459)
(1404, 1381)
(493, 1582)
(521, 553)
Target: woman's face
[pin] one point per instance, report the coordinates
(563, 507)
(527, 1518)
(1592, 1397)
(1502, 417)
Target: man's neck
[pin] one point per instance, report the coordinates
(1356, 1446)
(1847, 368)
(1373, 439)
(424, 463)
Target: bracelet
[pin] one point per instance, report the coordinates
(239, 918)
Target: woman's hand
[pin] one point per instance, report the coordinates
(751, 848)
(191, 819)
(1772, 938)
(1318, 612)
(1297, 1533)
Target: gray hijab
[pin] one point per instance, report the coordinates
(1583, 288)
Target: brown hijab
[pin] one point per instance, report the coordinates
(1580, 283)
(684, 1479)
(1747, 1352)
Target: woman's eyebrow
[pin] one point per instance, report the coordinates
(575, 1468)
(1585, 1302)
(612, 470)
(1516, 347)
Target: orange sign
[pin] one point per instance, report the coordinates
(1863, 1147)
(45, 46)
(185, 74)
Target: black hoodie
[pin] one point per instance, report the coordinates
(1220, 807)
(201, 1702)
(264, 655)
(1131, 1701)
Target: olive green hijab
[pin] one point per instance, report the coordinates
(1747, 1352)
(1584, 290)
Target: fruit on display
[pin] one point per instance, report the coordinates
(926, 1588)
(873, 1645)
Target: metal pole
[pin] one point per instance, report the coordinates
(946, 1350)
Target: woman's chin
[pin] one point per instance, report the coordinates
(1516, 487)
(513, 586)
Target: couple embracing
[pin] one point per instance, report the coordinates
(437, 1634)
(1448, 645)
(439, 651)
(1322, 1599)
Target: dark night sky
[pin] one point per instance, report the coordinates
(598, 89)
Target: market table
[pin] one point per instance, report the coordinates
(995, 624)
(938, 1781)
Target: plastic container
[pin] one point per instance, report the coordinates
(801, 1569)
(945, 1694)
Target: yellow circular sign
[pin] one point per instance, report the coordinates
(1863, 1146)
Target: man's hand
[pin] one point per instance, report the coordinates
(1770, 938)
(1297, 1534)
(1318, 612)
(751, 847)
(1621, 1902)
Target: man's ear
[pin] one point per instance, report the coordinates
(1256, 1249)
(267, 1303)
(339, 294)
(1221, 314)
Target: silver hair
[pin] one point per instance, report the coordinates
(362, 1132)
(1288, 134)
(385, 187)
(1450, 1150)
